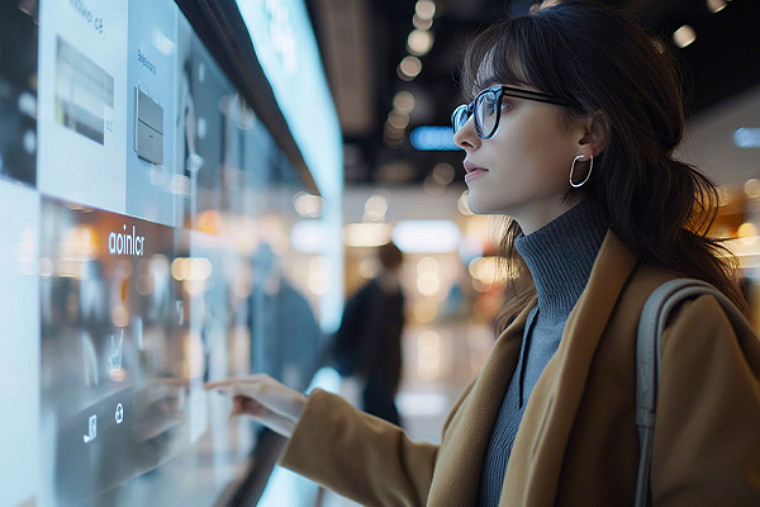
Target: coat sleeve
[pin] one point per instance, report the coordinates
(358, 455)
(707, 433)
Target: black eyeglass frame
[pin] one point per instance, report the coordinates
(501, 91)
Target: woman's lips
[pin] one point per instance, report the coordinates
(473, 171)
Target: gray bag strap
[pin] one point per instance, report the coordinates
(654, 317)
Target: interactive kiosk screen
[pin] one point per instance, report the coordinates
(145, 237)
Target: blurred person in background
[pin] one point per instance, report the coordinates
(368, 342)
(575, 116)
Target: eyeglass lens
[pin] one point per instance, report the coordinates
(486, 110)
(459, 117)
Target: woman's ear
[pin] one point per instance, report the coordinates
(596, 132)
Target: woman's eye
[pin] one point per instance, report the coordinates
(492, 109)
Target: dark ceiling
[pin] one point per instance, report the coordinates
(363, 41)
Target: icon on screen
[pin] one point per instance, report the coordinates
(93, 430)
(119, 416)
(115, 358)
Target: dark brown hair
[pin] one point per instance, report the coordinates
(603, 60)
(390, 256)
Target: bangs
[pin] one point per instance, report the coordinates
(525, 50)
(495, 56)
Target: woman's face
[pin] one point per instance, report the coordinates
(523, 169)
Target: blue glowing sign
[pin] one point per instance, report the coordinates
(747, 137)
(433, 139)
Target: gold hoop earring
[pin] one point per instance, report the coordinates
(588, 175)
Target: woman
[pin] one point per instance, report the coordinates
(575, 117)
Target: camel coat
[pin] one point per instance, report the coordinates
(577, 444)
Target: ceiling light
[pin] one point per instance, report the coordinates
(752, 188)
(403, 102)
(422, 23)
(398, 121)
(366, 235)
(419, 42)
(392, 131)
(308, 205)
(684, 36)
(426, 236)
(375, 208)
(425, 9)
(716, 5)
(428, 284)
(409, 68)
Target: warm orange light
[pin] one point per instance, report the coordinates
(209, 221)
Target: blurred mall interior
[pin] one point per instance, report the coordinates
(192, 190)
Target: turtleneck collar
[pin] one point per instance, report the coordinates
(560, 256)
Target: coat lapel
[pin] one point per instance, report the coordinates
(536, 461)
(458, 466)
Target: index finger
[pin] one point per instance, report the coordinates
(234, 381)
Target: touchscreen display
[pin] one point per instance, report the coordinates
(146, 244)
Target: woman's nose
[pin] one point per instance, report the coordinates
(466, 137)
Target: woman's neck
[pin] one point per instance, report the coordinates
(560, 256)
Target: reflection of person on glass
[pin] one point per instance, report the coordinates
(286, 336)
(75, 330)
(187, 125)
(575, 118)
(368, 342)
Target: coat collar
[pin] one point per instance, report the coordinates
(543, 433)
(541, 441)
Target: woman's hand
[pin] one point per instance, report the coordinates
(272, 404)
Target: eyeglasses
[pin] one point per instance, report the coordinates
(488, 102)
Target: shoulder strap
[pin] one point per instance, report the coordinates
(654, 318)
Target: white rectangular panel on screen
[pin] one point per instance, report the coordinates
(82, 96)
(152, 179)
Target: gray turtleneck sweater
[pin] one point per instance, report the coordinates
(559, 256)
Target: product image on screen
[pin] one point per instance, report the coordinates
(18, 90)
(84, 98)
(149, 128)
(115, 389)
